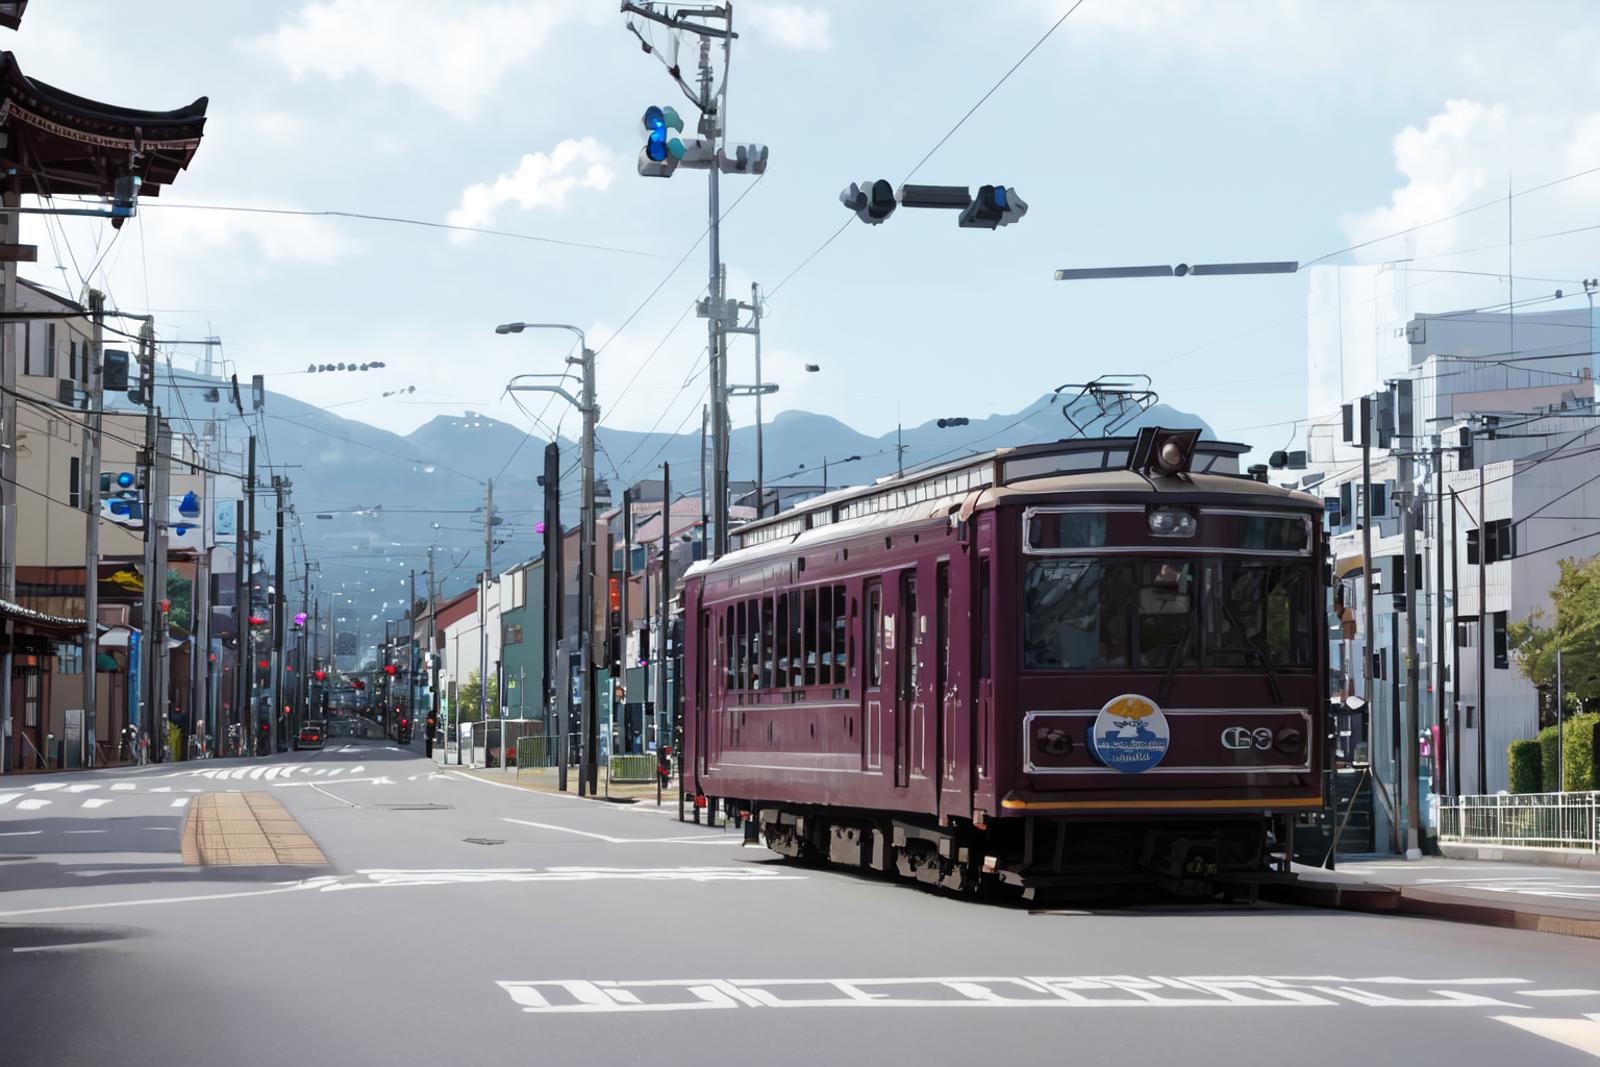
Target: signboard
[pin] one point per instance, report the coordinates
(121, 583)
(185, 523)
(223, 525)
(135, 664)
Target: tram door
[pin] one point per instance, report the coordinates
(872, 680)
(908, 700)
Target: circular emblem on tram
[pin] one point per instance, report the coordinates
(1130, 734)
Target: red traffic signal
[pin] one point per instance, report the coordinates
(257, 620)
(319, 675)
(263, 664)
(388, 668)
(359, 684)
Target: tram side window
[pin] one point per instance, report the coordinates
(752, 661)
(766, 642)
(780, 642)
(839, 624)
(797, 638)
(875, 638)
(727, 648)
(909, 661)
(983, 617)
(810, 645)
(1076, 614)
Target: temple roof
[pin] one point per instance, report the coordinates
(66, 145)
(11, 13)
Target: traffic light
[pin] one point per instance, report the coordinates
(320, 675)
(743, 159)
(124, 199)
(614, 624)
(389, 669)
(358, 683)
(995, 205)
(661, 152)
(120, 499)
(114, 371)
(872, 201)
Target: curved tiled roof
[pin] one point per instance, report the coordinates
(65, 145)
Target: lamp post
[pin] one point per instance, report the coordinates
(847, 459)
(587, 406)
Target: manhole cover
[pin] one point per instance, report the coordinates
(483, 840)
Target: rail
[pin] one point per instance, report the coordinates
(1523, 820)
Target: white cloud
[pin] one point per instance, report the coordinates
(792, 26)
(452, 54)
(540, 180)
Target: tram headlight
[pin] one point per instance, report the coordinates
(1172, 522)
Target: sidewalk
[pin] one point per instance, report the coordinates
(545, 780)
(1522, 896)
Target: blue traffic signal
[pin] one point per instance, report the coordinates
(124, 479)
(662, 151)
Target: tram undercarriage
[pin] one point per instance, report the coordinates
(1040, 856)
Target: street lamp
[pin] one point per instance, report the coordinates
(1163, 270)
(590, 410)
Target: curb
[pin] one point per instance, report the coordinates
(1381, 899)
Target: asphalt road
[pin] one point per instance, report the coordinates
(463, 921)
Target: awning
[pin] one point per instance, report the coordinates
(105, 661)
(38, 620)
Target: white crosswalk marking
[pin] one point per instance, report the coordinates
(273, 772)
(82, 787)
(31, 804)
(7, 797)
(180, 802)
(255, 772)
(44, 787)
(122, 787)
(162, 789)
(96, 802)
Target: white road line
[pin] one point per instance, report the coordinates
(8, 797)
(20, 833)
(83, 831)
(31, 804)
(1582, 1034)
(45, 787)
(58, 948)
(180, 802)
(255, 772)
(122, 787)
(1559, 992)
(162, 789)
(83, 787)
(96, 802)
(325, 793)
(683, 840)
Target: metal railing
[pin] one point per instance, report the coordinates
(633, 768)
(1523, 820)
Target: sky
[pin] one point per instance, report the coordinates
(1139, 131)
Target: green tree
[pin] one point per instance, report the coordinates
(1575, 631)
(180, 593)
(467, 697)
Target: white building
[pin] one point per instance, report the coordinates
(1523, 385)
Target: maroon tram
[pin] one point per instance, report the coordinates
(1093, 662)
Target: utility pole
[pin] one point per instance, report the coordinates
(89, 497)
(10, 224)
(1366, 548)
(705, 483)
(303, 687)
(620, 715)
(1409, 754)
(1456, 738)
(556, 672)
(1561, 710)
(433, 663)
(899, 453)
(1440, 759)
(411, 654)
(483, 603)
(1483, 630)
(708, 23)
(247, 709)
(280, 587)
(761, 491)
(241, 627)
(662, 596)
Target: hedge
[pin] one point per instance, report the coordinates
(1578, 753)
(1524, 768)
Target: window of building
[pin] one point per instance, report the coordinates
(69, 658)
(514, 634)
(1380, 500)
(1502, 652)
(38, 343)
(74, 476)
(30, 700)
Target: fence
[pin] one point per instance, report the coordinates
(633, 768)
(1526, 820)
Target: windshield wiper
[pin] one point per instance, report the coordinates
(1261, 654)
(1177, 654)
